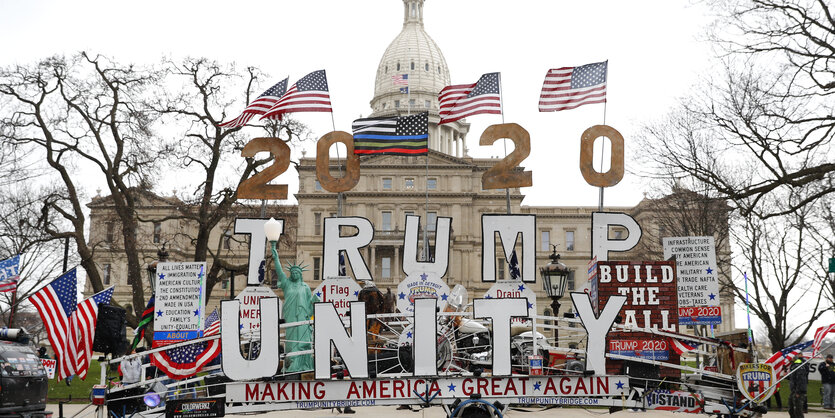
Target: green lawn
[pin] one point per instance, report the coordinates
(78, 389)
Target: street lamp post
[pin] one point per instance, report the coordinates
(162, 256)
(554, 279)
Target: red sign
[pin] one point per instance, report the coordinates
(651, 292)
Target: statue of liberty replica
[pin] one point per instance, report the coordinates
(298, 306)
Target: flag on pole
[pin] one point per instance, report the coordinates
(404, 90)
(514, 266)
(400, 79)
(185, 361)
(395, 135)
(462, 100)
(309, 94)
(343, 271)
(259, 106)
(84, 328)
(147, 317)
(571, 87)
(682, 346)
(55, 303)
(781, 359)
(9, 274)
(820, 333)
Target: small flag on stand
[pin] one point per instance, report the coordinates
(84, 321)
(514, 266)
(462, 100)
(9, 274)
(309, 94)
(55, 303)
(343, 271)
(403, 135)
(144, 322)
(571, 87)
(259, 106)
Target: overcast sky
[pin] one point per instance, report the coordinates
(654, 50)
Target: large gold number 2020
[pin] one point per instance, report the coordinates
(502, 175)
(615, 173)
(352, 163)
(256, 187)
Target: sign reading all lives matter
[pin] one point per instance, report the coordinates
(698, 280)
(180, 301)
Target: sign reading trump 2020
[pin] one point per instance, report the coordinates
(180, 298)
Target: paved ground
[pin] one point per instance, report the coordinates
(78, 411)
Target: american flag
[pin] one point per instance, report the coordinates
(462, 100)
(55, 303)
(182, 362)
(309, 94)
(819, 336)
(342, 270)
(84, 322)
(571, 87)
(683, 346)
(397, 135)
(400, 79)
(259, 106)
(781, 359)
(9, 274)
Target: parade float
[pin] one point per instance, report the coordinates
(338, 346)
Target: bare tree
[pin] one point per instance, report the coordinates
(761, 129)
(83, 115)
(204, 148)
(780, 260)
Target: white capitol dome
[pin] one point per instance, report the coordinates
(414, 53)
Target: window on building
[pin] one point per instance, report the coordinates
(431, 221)
(439, 69)
(386, 221)
(408, 213)
(426, 66)
(569, 240)
(397, 103)
(105, 270)
(157, 232)
(387, 69)
(569, 286)
(411, 102)
(386, 267)
(109, 232)
(427, 104)
(227, 240)
(398, 66)
(317, 268)
(317, 223)
(431, 184)
(409, 183)
(387, 183)
(413, 65)
(317, 186)
(500, 269)
(545, 241)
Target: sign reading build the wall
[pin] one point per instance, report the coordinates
(651, 302)
(698, 280)
(180, 300)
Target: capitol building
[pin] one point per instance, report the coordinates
(446, 183)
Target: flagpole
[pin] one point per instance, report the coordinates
(748, 313)
(602, 156)
(339, 196)
(504, 142)
(11, 312)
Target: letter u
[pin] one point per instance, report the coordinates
(235, 366)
